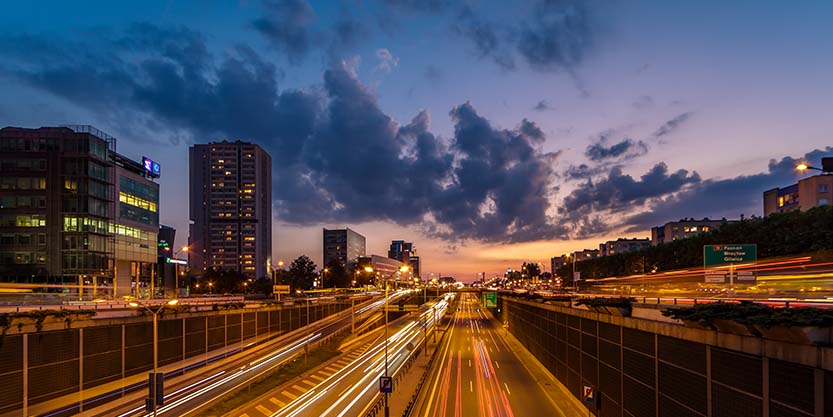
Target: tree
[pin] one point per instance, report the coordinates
(336, 276)
(358, 273)
(302, 273)
(530, 269)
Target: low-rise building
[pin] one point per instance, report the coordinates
(586, 254)
(807, 193)
(682, 229)
(622, 245)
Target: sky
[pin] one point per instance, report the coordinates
(489, 133)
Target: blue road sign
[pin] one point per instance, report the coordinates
(386, 384)
(589, 395)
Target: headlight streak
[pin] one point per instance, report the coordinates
(275, 356)
(371, 365)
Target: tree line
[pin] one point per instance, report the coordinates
(778, 234)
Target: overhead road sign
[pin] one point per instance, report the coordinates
(490, 299)
(725, 260)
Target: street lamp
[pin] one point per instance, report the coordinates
(176, 270)
(153, 378)
(323, 280)
(402, 269)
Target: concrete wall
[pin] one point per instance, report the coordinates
(645, 368)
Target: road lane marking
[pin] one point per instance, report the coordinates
(299, 389)
(311, 384)
(316, 377)
(263, 410)
(469, 363)
(331, 369)
(289, 395)
(277, 402)
(507, 389)
(471, 386)
(496, 365)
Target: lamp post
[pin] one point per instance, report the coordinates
(826, 167)
(176, 270)
(402, 269)
(152, 380)
(323, 278)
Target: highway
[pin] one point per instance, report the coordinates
(478, 375)
(349, 385)
(188, 396)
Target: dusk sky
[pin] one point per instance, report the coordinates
(488, 133)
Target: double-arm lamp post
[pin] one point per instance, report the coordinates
(402, 269)
(154, 380)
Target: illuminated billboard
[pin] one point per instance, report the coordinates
(151, 167)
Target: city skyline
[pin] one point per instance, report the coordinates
(544, 132)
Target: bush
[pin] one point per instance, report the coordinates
(749, 313)
(620, 302)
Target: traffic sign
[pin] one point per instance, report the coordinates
(280, 289)
(716, 255)
(490, 299)
(386, 384)
(588, 394)
(719, 262)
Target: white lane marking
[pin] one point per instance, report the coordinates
(507, 388)
(471, 386)
(469, 363)
(496, 365)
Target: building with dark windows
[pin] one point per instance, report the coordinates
(344, 246)
(622, 245)
(556, 262)
(74, 213)
(230, 208)
(807, 193)
(682, 229)
(401, 250)
(413, 262)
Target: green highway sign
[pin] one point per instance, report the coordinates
(490, 299)
(717, 255)
(720, 262)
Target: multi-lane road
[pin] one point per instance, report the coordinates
(477, 374)
(346, 387)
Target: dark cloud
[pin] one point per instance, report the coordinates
(485, 36)
(542, 105)
(624, 149)
(672, 125)
(558, 36)
(287, 24)
(583, 171)
(620, 192)
(337, 156)
(501, 182)
(728, 198)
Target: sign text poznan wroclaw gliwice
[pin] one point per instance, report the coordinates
(730, 263)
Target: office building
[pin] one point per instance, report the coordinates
(413, 263)
(384, 267)
(401, 250)
(75, 213)
(172, 265)
(344, 246)
(622, 245)
(230, 208)
(682, 229)
(807, 193)
(136, 227)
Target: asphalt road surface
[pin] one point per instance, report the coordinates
(478, 375)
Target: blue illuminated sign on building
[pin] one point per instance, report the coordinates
(151, 167)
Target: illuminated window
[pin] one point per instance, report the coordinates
(705, 228)
(137, 202)
(781, 201)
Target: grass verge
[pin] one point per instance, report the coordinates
(279, 377)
